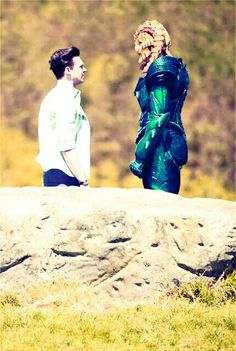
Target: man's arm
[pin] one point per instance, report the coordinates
(65, 115)
(73, 161)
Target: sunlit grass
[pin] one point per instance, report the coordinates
(175, 326)
(210, 292)
(206, 321)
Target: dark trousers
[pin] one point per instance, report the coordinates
(55, 177)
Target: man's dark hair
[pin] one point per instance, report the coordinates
(62, 58)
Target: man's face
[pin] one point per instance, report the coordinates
(78, 70)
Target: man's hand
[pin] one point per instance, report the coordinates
(84, 184)
(74, 163)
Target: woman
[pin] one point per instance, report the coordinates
(161, 148)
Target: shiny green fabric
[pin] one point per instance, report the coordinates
(161, 148)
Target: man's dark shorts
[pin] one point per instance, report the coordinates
(55, 177)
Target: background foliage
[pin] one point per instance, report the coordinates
(202, 33)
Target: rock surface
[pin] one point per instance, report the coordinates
(129, 244)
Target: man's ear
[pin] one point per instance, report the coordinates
(67, 69)
(67, 72)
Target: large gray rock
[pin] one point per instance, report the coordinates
(129, 244)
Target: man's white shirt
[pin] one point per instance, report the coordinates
(63, 126)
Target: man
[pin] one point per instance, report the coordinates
(64, 131)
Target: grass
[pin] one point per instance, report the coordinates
(199, 316)
(210, 292)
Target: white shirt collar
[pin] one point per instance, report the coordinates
(66, 85)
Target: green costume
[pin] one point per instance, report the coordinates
(161, 141)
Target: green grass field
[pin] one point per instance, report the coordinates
(199, 316)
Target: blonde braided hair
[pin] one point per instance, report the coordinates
(151, 40)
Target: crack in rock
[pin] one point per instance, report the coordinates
(190, 269)
(68, 253)
(155, 244)
(174, 225)
(119, 240)
(15, 263)
(46, 217)
(215, 267)
(200, 244)
(177, 244)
